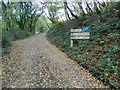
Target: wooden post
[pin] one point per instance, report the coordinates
(71, 43)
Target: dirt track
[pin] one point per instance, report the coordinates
(35, 63)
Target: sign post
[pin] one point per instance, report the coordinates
(83, 33)
(71, 43)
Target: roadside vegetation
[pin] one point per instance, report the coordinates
(19, 20)
(100, 55)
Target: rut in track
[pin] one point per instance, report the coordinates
(35, 63)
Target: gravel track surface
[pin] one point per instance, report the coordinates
(35, 63)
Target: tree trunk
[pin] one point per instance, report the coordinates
(66, 12)
(71, 11)
(81, 8)
(96, 9)
(88, 7)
